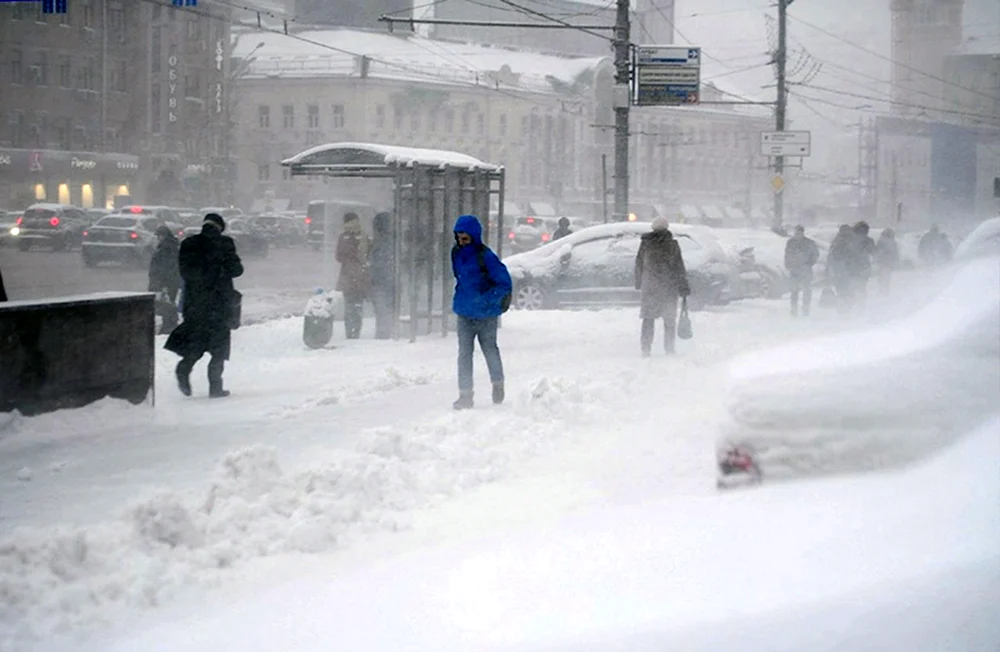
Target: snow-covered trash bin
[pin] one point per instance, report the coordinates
(320, 314)
(871, 399)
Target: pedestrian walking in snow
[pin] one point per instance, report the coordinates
(208, 264)
(886, 259)
(354, 281)
(165, 277)
(482, 293)
(837, 266)
(934, 248)
(383, 277)
(661, 277)
(801, 254)
(563, 229)
(861, 250)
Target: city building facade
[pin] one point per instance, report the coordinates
(546, 118)
(92, 98)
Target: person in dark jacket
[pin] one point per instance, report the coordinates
(886, 259)
(482, 285)
(563, 229)
(661, 277)
(165, 277)
(859, 263)
(837, 265)
(383, 277)
(934, 248)
(355, 279)
(801, 254)
(208, 264)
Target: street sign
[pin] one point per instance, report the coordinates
(666, 75)
(777, 183)
(785, 143)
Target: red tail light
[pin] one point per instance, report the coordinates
(54, 221)
(136, 209)
(309, 220)
(133, 235)
(86, 233)
(530, 220)
(19, 220)
(511, 236)
(546, 237)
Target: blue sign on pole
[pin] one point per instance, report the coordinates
(666, 75)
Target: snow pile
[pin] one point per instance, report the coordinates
(357, 391)
(58, 580)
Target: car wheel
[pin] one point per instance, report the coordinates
(529, 297)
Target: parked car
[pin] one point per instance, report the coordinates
(59, 226)
(527, 233)
(596, 267)
(248, 243)
(279, 230)
(125, 238)
(227, 213)
(95, 214)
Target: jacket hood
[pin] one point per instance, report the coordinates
(470, 224)
(382, 224)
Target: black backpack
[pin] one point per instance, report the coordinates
(481, 257)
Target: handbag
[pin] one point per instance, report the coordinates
(235, 309)
(684, 331)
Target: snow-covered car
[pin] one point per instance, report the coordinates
(596, 267)
(868, 399)
(983, 241)
(766, 275)
(528, 233)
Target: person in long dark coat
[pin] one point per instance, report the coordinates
(886, 259)
(662, 278)
(355, 278)
(383, 278)
(801, 254)
(837, 263)
(165, 276)
(859, 263)
(208, 264)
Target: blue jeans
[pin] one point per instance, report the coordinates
(486, 331)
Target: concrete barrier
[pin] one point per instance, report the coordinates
(70, 351)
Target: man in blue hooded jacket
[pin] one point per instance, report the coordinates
(482, 291)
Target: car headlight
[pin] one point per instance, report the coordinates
(15, 230)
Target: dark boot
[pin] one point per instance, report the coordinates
(464, 402)
(215, 369)
(215, 390)
(498, 393)
(184, 377)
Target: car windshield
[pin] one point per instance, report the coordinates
(119, 221)
(38, 213)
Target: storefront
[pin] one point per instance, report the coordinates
(85, 179)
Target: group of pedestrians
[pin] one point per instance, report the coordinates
(853, 258)
(367, 273)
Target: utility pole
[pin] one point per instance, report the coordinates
(622, 101)
(779, 112)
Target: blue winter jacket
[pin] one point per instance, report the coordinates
(478, 295)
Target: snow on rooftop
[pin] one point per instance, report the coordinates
(396, 155)
(335, 52)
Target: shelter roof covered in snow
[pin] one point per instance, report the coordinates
(404, 56)
(373, 155)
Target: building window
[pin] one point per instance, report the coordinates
(156, 48)
(414, 121)
(16, 66)
(156, 11)
(338, 116)
(264, 117)
(192, 85)
(87, 78)
(503, 125)
(62, 135)
(64, 18)
(288, 116)
(41, 16)
(466, 119)
(88, 14)
(39, 130)
(116, 24)
(194, 29)
(65, 71)
(41, 69)
(263, 172)
(397, 115)
(312, 115)
(480, 124)
(449, 120)
(380, 116)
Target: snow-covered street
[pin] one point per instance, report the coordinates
(111, 510)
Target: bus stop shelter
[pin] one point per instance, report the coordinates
(431, 188)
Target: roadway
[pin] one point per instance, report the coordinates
(282, 282)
